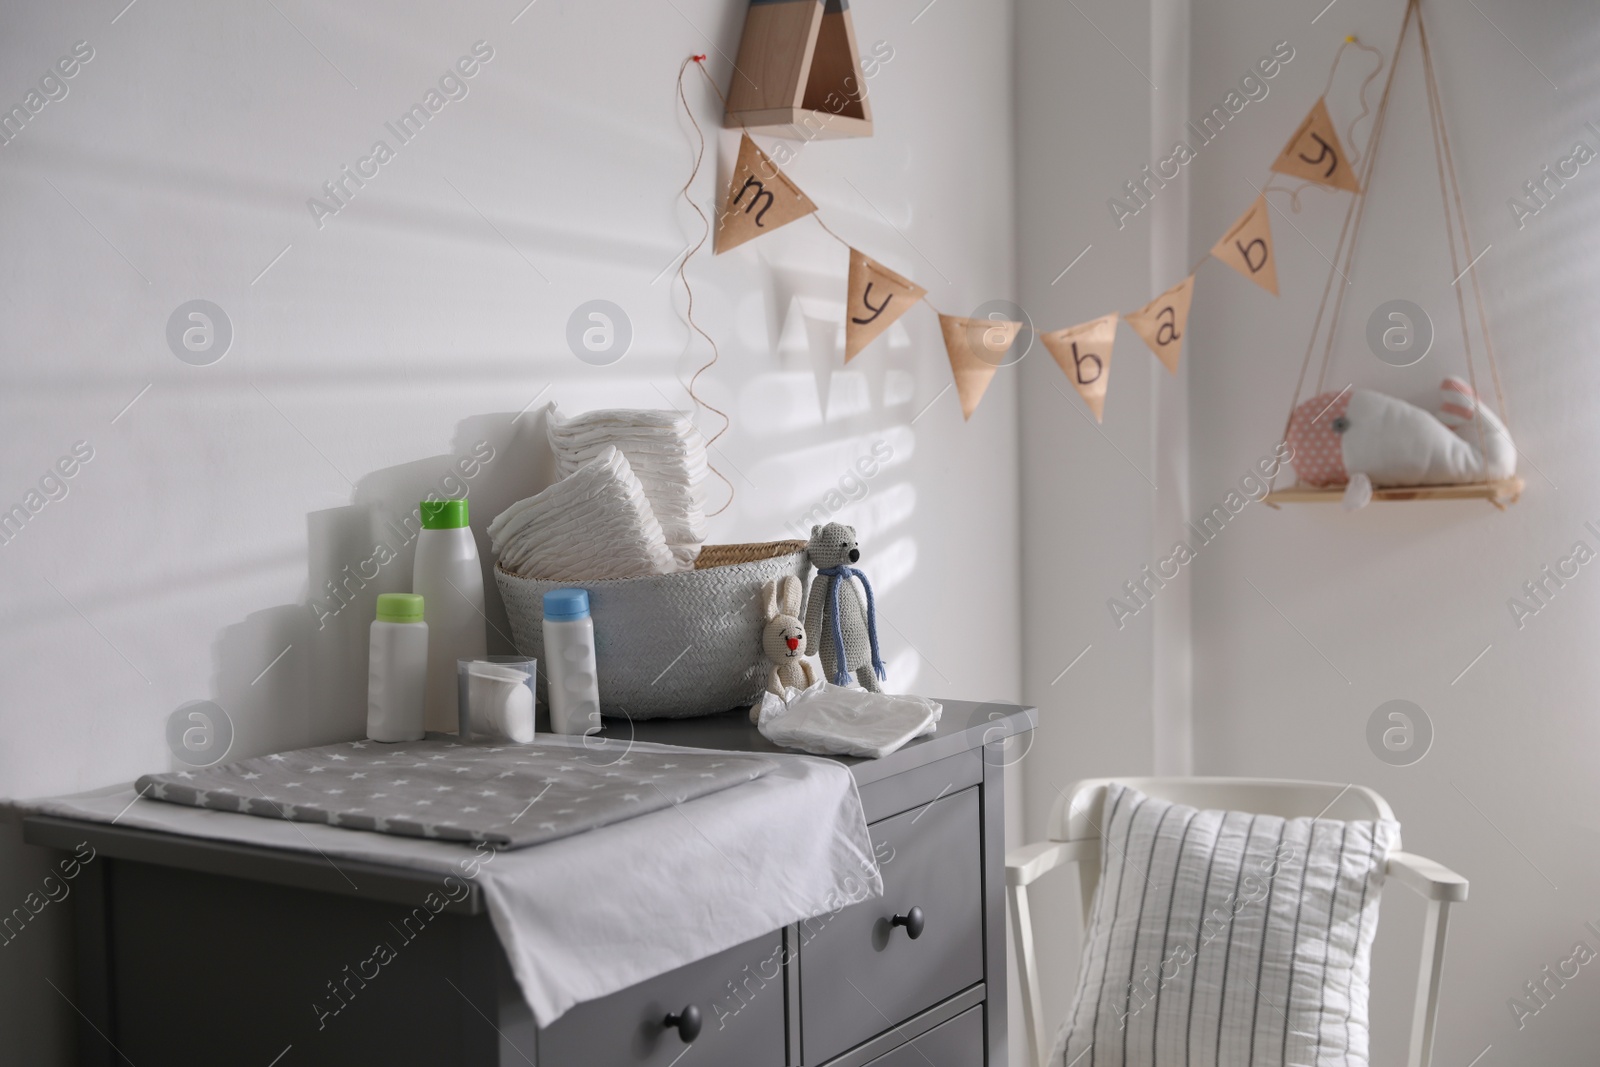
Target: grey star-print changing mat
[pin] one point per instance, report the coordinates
(508, 795)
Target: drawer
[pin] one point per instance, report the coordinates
(957, 1043)
(859, 974)
(910, 789)
(740, 996)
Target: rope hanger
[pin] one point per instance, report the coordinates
(1455, 219)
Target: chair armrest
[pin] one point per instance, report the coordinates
(1027, 863)
(1433, 881)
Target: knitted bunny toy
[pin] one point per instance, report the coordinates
(840, 627)
(784, 641)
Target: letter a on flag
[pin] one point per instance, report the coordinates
(878, 296)
(1163, 322)
(1084, 352)
(976, 348)
(760, 199)
(1247, 247)
(1315, 154)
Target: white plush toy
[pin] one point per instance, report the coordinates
(784, 641)
(1360, 439)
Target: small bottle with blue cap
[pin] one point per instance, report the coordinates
(569, 663)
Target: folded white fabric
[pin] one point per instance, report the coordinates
(591, 914)
(836, 720)
(594, 523)
(667, 454)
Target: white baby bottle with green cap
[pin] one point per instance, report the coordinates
(450, 579)
(397, 668)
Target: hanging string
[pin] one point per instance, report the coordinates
(1359, 200)
(1354, 156)
(700, 61)
(828, 231)
(1355, 213)
(705, 232)
(1346, 243)
(1441, 152)
(1448, 157)
(1350, 130)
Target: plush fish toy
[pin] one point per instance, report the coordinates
(1360, 439)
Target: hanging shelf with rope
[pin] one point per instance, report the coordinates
(1499, 492)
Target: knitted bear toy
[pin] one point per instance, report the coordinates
(841, 625)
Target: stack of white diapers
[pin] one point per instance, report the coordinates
(629, 500)
(595, 523)
(667, 454)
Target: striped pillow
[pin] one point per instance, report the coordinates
(1225, 939)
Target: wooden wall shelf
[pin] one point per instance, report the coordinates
(797, 74)
(1498, 493)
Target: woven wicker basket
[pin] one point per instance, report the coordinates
(670, 646)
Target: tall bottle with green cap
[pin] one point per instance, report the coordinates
(449, 577)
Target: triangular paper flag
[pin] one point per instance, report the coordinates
(1163, 322)
(1315, 154)
(1247, 247)
(760, 199)
(1084, 352)
(976, 347)
(878, 296)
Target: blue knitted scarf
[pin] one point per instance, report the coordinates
(830, 619)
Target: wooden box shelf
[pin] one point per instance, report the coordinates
(797, 74)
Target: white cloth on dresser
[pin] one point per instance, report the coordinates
(588, 915)
(839, 720)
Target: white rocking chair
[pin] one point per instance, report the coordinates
(1075, 838)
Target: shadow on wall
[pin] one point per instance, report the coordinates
(315, 691)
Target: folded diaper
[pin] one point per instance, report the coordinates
(594, 523)
(836, 720)
(667, 455)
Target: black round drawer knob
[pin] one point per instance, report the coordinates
(686, 1022)
(912, 921)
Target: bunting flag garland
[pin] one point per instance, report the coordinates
(761, 198)
(1314, 153)
(878, 296)
(1163, 322)
(975, 347)
(1247, 247)
(1084, 353)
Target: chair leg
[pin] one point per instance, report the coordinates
(1028, 972)
(1424, 1016)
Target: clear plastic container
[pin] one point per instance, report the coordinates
(496, 694)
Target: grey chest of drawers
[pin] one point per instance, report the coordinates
(196, 952)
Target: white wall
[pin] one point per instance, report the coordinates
(1402, 597)
(1089, 492)
(420, 320)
